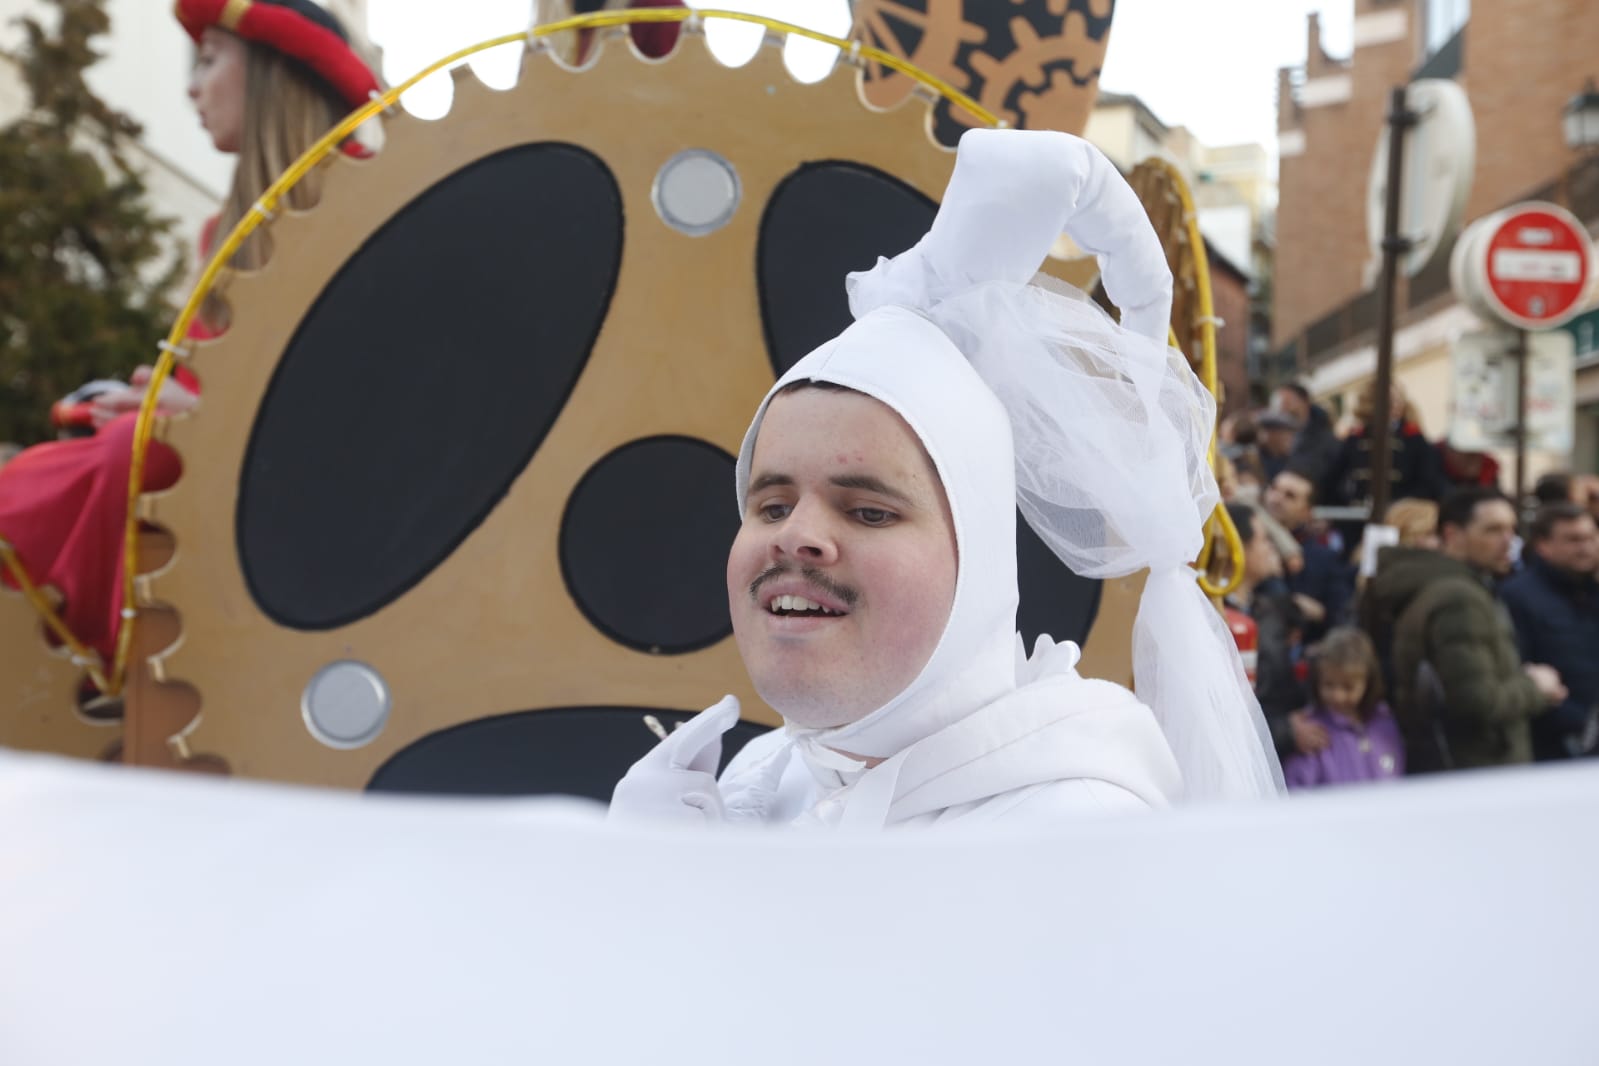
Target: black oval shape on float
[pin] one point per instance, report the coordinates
(422, 381)
(823, 221)
(566, 751)
(1054, 600)
(644, 544)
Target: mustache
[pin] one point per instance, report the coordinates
(811, 576)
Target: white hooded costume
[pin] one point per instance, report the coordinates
(1109, 464)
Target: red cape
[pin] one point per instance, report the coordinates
(63, 508)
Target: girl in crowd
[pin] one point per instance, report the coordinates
(1363, 740)
(270, 78)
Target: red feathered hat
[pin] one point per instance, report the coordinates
(299, 29)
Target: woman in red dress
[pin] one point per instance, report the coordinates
(270, 78)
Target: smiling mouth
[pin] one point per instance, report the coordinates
(836, 602)
(800, 607)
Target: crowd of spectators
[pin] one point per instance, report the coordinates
(1469, 638)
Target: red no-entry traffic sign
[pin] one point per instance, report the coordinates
(1537, 263)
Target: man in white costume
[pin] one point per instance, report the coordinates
(872, 584)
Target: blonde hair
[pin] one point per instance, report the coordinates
(1415, 519)
(287, 109)
(1366, 404)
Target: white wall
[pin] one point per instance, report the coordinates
(1110, 129)
(1231, 229)
(1117, 130)
(145, 74)
(1146, 143)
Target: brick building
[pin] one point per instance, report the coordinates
(1519, 61)
(1231, 294)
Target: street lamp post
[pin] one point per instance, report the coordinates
(1394, 246)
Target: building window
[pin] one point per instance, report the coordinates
(1444, 19)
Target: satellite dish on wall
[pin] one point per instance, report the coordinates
(1440, 159)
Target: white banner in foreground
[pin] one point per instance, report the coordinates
(148, 918)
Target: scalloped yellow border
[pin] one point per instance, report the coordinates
(1219, 530)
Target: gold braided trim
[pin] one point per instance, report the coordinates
(233, 13)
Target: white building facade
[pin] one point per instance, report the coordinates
(145, 74)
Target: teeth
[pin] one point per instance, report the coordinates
(798, 603)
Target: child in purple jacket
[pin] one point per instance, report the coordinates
(1363, 741)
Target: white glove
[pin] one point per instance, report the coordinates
(676, 781)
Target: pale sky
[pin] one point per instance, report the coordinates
(1209, 66)
(1212, 72)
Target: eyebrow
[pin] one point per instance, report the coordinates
(867, 483)
(862, 482)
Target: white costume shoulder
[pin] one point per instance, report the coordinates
(1116, 753)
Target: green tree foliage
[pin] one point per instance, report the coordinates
(86, 270)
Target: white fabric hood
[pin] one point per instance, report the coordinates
(980, 719)
(899, 358)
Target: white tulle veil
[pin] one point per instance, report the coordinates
(1111, 427)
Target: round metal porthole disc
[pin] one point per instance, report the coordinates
(346, 704)
(696, 192)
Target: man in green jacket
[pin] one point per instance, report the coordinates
(1461, 692)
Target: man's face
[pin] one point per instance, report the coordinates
(842, 576)
(1288, 499)
(1572, 546)
(1289, 403)
(1485, 542)
(1277, 440)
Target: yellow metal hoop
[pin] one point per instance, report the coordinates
(1220, 528)
(81, 655)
